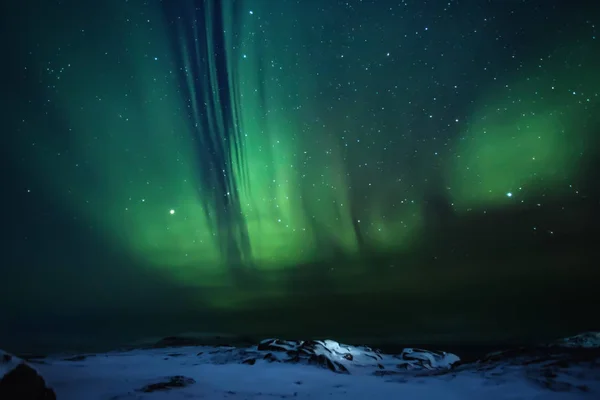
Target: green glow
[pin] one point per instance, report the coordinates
(137, 171)
(526, 136)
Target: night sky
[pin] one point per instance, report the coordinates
(236, 165)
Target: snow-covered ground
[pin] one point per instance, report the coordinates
(277, 369)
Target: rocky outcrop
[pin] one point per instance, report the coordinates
(342, 358)
(19, 381)
(173, 382)
(586, 340)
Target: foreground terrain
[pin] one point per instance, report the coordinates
(175, 369)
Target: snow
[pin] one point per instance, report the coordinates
(277, 369)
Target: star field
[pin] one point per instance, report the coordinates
(268, 134)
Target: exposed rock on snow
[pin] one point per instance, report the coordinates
(341, 358)
(177, 381)
(585, 340)
(19, 381)
(419, 358)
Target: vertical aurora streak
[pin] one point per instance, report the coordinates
(243, 119)
(214, 125)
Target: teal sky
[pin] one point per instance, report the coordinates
(192, 142)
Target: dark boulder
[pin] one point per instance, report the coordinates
(19, 381)
(177, 381)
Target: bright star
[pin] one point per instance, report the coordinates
(171, 212)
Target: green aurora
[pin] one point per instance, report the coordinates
(304, 177)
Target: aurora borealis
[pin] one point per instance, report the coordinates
(219, 143)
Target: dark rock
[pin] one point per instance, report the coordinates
(422, 358)
(270, 357)
(377, 356)
(173, 382)
(386, 373)
(326, 354)
(584, 340)
(298, 351)
(336, 357)
(324, 361)
(583, 388)
(24, 383)
(278, 345)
